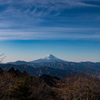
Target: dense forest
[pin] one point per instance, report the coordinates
(16, 85)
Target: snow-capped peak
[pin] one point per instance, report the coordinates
(50, 56)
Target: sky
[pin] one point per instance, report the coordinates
(32, 29)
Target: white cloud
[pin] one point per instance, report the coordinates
(29, 9)
(26, 14)
(53, 4)
(50, 33)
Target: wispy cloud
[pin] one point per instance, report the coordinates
(38, 8)
(50, 5)
(50, 33)
(31, 15)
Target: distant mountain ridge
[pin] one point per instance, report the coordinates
(48, 58)
(19, 62)
(52, 64)
(38, 71)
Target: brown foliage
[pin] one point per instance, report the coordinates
(39, 90)
(75, 87)
(7, 81)
(82, 87)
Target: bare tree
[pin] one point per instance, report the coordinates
(1, 57)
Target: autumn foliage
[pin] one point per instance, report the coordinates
(79, 87)
(14, 86)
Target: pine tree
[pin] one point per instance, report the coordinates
(20, 91)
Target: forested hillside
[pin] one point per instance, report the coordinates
(16, 85)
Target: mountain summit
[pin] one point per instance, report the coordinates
(48, 58)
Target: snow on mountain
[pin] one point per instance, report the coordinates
(48, 58)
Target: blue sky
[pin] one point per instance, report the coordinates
(68, 29)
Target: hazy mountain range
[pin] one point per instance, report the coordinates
(53, 66)
(48, 58)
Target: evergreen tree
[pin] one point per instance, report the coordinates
(20, 91)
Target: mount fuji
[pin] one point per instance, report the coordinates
(48, 58)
